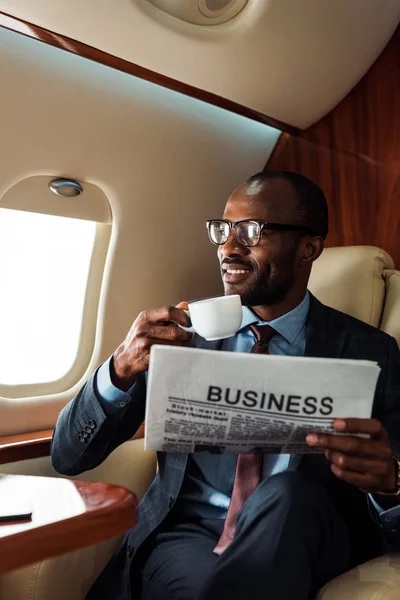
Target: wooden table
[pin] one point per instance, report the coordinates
(66, 515)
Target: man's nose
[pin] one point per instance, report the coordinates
(233, 246)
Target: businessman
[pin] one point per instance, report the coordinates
(221, 526)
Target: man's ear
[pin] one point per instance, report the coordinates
(312, 249)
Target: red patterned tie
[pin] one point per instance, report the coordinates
(249, 466)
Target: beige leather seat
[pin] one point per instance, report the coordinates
(358, 280)
(362, 281)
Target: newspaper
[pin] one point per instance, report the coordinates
(230, 402)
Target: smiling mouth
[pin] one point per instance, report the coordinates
(234, 274)
(236, 271)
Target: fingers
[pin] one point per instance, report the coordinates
(151, 327)
(156, 324)
(376, 444)
(359, 464)
(183, 305)
(368, 475)
(365, 481)
(371, 427)
(350, 445)
(164, 314)
(168, 333)
(144, 347)
(365, 463)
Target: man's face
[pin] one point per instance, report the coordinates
(262, 274)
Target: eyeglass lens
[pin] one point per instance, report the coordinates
(247, 232)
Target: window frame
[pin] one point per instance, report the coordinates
(33, 195)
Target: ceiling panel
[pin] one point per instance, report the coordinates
(293, 61)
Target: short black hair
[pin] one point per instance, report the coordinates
(313, 208)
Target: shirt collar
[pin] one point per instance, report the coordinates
(287, 325)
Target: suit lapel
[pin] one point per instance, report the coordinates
(325, 339)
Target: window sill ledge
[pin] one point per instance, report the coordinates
(35, 444)
(23, 446)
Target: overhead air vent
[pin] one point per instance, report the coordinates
(201, 12)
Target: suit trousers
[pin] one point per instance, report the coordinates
(289, 541)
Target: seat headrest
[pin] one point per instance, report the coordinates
(350, 279)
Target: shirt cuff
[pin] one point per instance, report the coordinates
(112, 399)
(390, 518)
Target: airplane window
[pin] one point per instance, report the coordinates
(44, 267)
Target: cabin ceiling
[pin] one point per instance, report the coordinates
(291, 60)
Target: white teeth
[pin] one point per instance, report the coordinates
(236, 271)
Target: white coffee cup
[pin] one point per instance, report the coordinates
(215, 318)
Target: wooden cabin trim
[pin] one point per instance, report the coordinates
(23, 446)
(34, 444)
(353, 154)
(63, 42)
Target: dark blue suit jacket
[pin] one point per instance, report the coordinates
(330, 334)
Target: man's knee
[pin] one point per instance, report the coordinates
(285, 490)
(292, 484)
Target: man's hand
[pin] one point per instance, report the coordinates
(366, 463)
(150, 327)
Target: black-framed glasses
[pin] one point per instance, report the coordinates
(247, 232)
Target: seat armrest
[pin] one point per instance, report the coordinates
(67, 577)
(378, 579)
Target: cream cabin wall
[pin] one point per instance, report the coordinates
(165, 163)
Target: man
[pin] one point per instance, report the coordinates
(306, 519)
